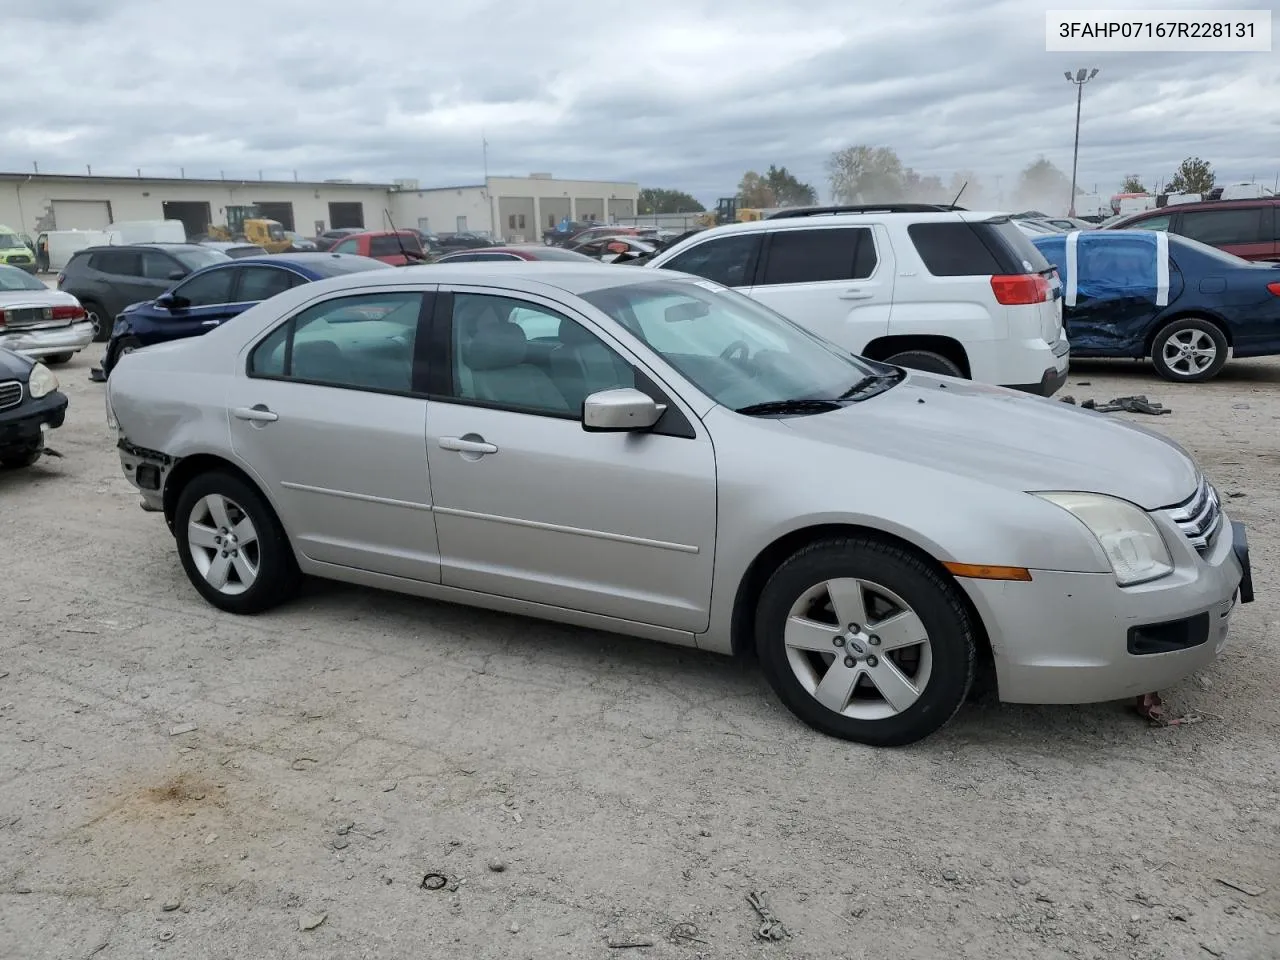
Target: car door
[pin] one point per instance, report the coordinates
(531, 506)
(1115, 296)
(329, 410)
(202, 301)
(834, 280)
(117, 280)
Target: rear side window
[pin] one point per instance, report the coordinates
(816, 256)
(262, 283)
(730, 260)
(1216, 227)
(124, 263)
(958, 249)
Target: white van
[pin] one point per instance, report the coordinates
(1245, 191)
(1137, 204)
(1173, 199)
(63, 243)
(147, 231)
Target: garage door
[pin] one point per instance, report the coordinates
(81, 214)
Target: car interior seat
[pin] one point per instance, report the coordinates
(583, 365)
(495, 359)
(319, 360)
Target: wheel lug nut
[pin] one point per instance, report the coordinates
(838, 641)
(854, 628)
(873, 640)
(849, 661)
(872, 661)
(217, 539)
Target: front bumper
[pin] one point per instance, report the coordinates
(23, 425)
(147, 470)
(1081, 638)
(48, 341)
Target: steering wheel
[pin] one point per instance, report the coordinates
(738, 350)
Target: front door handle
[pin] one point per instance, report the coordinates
(255, 414)
(464, 445)
(856, 294)
(209, 323)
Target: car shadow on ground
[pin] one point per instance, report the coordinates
(1144, 375)
(734, 687)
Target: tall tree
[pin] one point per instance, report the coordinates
(864, 174)
(1041, 185)
(1132, 184)
(754, 191)
(1193, 176)
(787, 190)
(662, 200)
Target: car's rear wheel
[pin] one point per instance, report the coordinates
(926, 361)
(1189, 350)
(98, 317)
(15, 458)
(232, 546)
(864, 640)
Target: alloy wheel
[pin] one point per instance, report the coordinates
(858, 649)
(1189, 352)
(224, 544)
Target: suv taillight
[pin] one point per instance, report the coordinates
(1274, 288)
(1020, 289)
(1, 319)
(61, 277)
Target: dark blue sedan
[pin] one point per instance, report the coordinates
(208, 298)
(1186, 305)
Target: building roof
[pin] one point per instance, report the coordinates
(192, 181)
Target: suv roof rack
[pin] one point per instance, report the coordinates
(864, 208)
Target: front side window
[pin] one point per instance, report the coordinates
(262, 283)
(362, 342)
(735, 350)
(818, 256)
(730, 260)
(206, 289)
(1157, 224)
(347, 246)
(1216, 227)
(159, 266)
(525, 357)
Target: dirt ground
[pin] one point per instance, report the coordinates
(578, 790)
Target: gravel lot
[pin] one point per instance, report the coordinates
(575, 788)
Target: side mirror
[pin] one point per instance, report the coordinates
(623, 409)
(170, 301)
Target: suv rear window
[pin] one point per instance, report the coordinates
(816, 256)
(957, 249)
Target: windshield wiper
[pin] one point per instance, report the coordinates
(869, 381)
(796, 405)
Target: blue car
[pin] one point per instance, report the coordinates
(210, 297)
(1186, 305)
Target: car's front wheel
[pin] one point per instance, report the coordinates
(864, 640)
(15, 458)
(232, 546)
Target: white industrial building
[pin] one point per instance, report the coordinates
(512, 208)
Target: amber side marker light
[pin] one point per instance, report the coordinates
(981, 571)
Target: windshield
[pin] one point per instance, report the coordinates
(733, 349)
(10, 241)
(197, 258)
(275, 231)
(11, 278)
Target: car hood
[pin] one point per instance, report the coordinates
(14, 366)
(1010, 439)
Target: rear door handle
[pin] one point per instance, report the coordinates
(856, 294)
(467, 446)
(255, 414)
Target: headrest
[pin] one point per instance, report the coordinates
(316, 350)
(575, 334)
(495, 347)
(475, 312)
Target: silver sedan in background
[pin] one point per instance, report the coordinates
(654, 454)
(38, 322)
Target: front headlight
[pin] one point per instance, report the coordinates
(1128, 537)
(42, 382)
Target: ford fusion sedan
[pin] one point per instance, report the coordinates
(654, 454)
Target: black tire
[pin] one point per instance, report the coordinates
(125, 345)
(16, 458)
(926, 361)
(59, 358)
(278, 577)
(1188, 327)
(933, 599)
(99, 318)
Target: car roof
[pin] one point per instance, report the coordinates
(528, 275)
(1201, 205)
(852, 219)
(152, 245)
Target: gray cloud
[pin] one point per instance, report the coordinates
(680, 93)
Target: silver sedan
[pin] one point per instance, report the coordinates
(654, 454)
(38, 322)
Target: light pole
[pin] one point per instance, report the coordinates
(1082, 76)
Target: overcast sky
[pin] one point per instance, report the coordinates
(675, 93)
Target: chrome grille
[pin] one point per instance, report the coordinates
(1199, 516)
(10, 394)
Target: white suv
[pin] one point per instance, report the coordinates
(939, 289)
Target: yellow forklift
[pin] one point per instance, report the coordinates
(246, 224)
